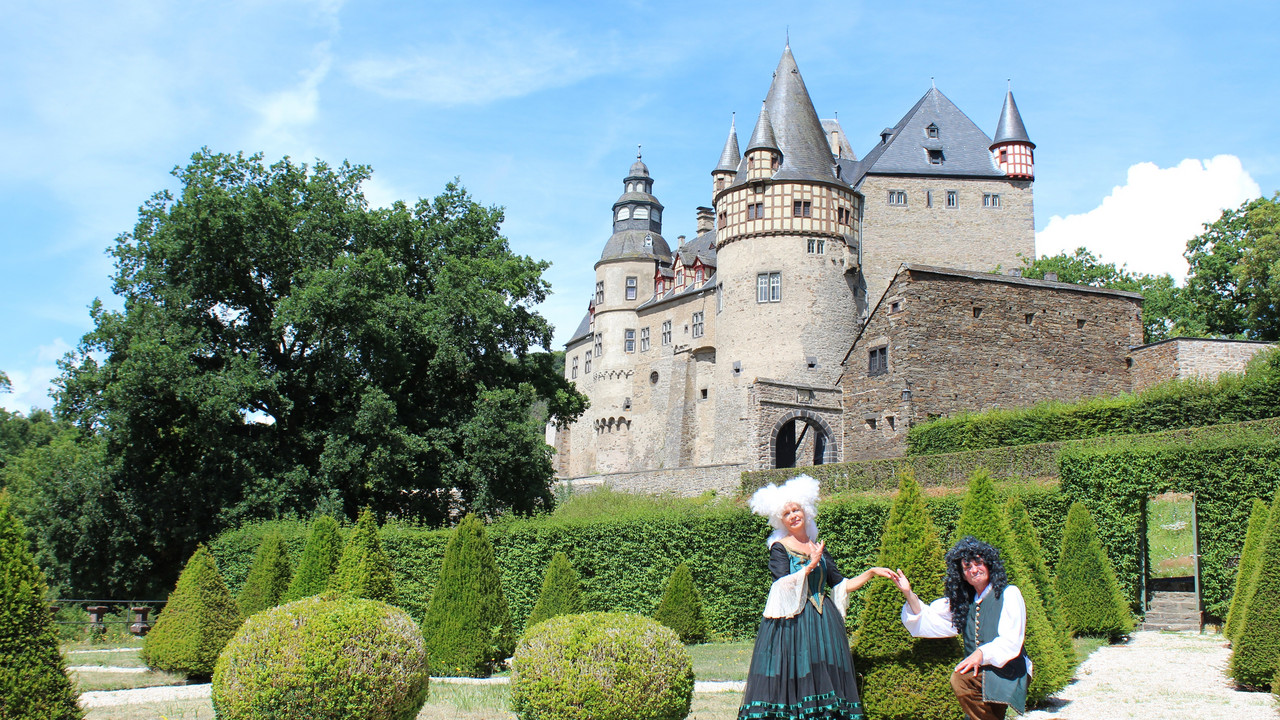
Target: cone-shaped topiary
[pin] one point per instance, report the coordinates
(33, 682)
(323, 657)
(561, 593)
(364, 570)
(601, 666)
(904, 677)
(319, 559)
(1257, 643)
(982, 516)
(196, 622)
(1088, 591)
(268, 577)
(468, 626)
(1031, 551)
(681, 607)
(1244, 570)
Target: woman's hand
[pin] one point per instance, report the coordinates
(815, 557)
(901, 582)
(860, 580)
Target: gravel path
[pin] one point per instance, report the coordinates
(1158, 676)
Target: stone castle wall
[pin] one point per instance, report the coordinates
(682, 481)
(968, 236)
(1190, 357)
(957, 343)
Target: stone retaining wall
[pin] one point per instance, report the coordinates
(682, 481)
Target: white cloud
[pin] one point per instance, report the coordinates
(1146, 223)
(285, 114)
(483, 67)
(32, 385)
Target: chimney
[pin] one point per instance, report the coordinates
(706, 220)
(680, 241)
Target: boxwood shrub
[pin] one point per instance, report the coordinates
(198, 619)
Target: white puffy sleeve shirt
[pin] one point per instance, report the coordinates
(934, 621)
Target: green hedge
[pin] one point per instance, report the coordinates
(625, 558)
(1224, 472)
(1232, 398)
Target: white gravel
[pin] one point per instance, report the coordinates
(1157, 676)
(109, 698)
(108, 668)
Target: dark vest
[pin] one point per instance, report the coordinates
(1006, 684)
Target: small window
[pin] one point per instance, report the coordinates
(599, 345)
(977, 312)
(990, 200)
(573, 373)
(719, 297)
(931, 131)
(666, 333)
(704, 393)
(600, 293)
(624, 213)
(657, 286)
(822, 246)
(697, 324)
(773, 162)
(802, 208)
(680, 277)
(640, 213)
(871, 423)
(844, 216)
(653, 378)
(878, 361)
(586, 364)
(1029, 317)
(813, 245)
(724, 219)
(631, 288)
(769, 287)
(626, 404)
(644, 339)
(811, 362)
(1080, 324)
(1004, 155)
(898, 197)
(892, 421)
(648, 240)
(895, 306)
(953, 199)
(928, 198)
(935, 157)
(737, 368)
(755, 211)
(697, 275)
(629, 340)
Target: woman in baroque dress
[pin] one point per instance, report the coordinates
(801, 666)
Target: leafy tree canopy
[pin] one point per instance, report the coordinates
(283, 347)
(1234, 281)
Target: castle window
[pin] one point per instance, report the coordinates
(697, 275)
(657, 215)
(755, 211)
(653, 378)
(935, 157)
(573, 373)
(1029, 318)
(897, 197)
(648, 241)
(990, 200)
(977, 312)
(697, 324)
(895, 306)
(599, 344)
(657, 286)
(624, 213)
(640, 213)
(719, 297)
(704, 393)
(631, 288)
(600, 293)
(1079, 324)
(871, 423)
(822, 246)
(586, 365)
(724, 219)
(644, 339)
(893, 424)
(953, 199)
(773, 162)
(878, 361)
(666, 333)
(844, 216)
(769, 287)
(1004, 155)
(928, 198)
(626, 404)
(802, 208)
(932, 130)
(813, 245)
(629, 340)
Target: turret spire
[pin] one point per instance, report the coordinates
(731, 156)
(762, 137)
(1010, 128)
(1012, 149)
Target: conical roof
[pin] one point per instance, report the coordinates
(762, 137)
(730, 157)
(806, 155)
(1011, 128)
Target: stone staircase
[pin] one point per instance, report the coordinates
(1172, 610)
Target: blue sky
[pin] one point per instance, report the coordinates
(1148, 117)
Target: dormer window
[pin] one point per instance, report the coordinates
(932, 131)
(641, 213)
(935, 157)
(648, 241)
(624, 213)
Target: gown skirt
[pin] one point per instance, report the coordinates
(801, 669)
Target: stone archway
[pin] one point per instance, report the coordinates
(801, 438)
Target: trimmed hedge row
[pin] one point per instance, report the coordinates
(1224, 472)
(953, 469)
(1231, 398)
(625, 559)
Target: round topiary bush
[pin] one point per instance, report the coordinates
(323, 657)
(602, 666)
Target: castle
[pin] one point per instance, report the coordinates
(729, 349)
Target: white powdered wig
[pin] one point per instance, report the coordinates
(769, 500)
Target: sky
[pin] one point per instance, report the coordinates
(1149, 118)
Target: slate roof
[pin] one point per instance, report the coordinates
(582, 330)
(966, 149)
(730, 156)
(806, 155)
(629, 244)
(845, 149)
(1011, 128)
(762, 136)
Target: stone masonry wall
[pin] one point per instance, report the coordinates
(959, 343)
(1190, 357)
(682, 481)
(968, 236)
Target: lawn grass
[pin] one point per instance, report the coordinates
(85, 681)
(721, 661)
(1170, 536)
(1085, 646)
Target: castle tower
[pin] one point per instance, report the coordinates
(624, 280)
(1012, 149)
(730, 157)
(787, 252)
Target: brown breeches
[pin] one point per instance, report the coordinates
(968, 689)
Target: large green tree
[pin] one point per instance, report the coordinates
(283, 346)
(1164, 308)
(1234, 278)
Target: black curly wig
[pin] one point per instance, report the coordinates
(958, 590)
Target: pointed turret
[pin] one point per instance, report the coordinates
(763, 156)
(1012, 148)
(730, 158)
(762, 138)
(637, 219)
(806, 154)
